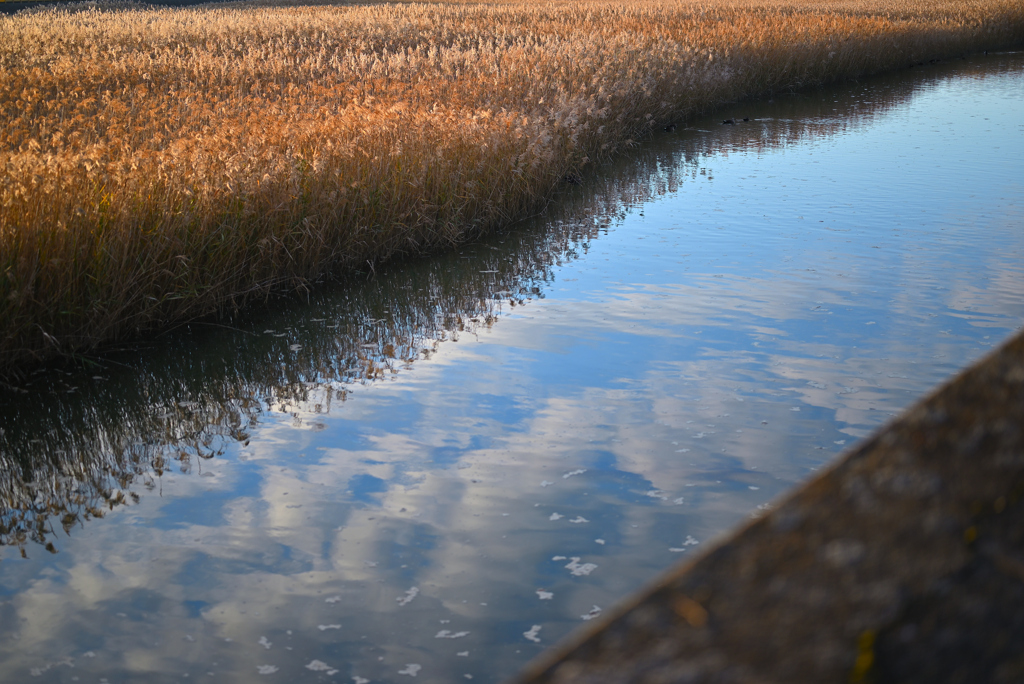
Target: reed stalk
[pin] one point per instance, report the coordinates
(164, 164)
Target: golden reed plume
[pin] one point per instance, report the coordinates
(160, 164)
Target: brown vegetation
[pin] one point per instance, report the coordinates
(161, 163)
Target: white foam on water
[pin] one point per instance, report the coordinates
(545, 595)
(411, 669)
(445, 634)
(266, 669)
(532, 634)
(579, 519)
(321, 666)
(573, 473)
(264, 642)
(556, 516)
(324, 628)
(688, 542)
(593, 613)
(580, 569)
(410, 594)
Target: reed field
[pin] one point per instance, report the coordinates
(163, 164)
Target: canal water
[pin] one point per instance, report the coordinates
(438, 471)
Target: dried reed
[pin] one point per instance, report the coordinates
(160, 164)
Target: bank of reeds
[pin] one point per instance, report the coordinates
(158, 164)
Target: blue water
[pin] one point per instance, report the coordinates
(439, 471)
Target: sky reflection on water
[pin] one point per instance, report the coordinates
(438, 472)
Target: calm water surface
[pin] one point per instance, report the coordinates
(440, 471)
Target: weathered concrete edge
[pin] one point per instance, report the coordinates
(909, 545)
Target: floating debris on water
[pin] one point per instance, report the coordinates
(599, 541)
(410, 594)
(411, 669)
(556, 516)
(580, 569)
(558, 558)
(38, 671)
(321, 666)
(532, 634)
(689, 541)
(324, 628)
(545, 595)
(593, 613)
(463, 654)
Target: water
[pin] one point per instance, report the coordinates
(439, 471)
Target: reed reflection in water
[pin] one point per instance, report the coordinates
(475, 453)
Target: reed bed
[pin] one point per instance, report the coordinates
(161, 164)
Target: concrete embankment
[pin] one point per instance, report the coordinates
(903, 563)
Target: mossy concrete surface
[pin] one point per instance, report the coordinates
(903, 563)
